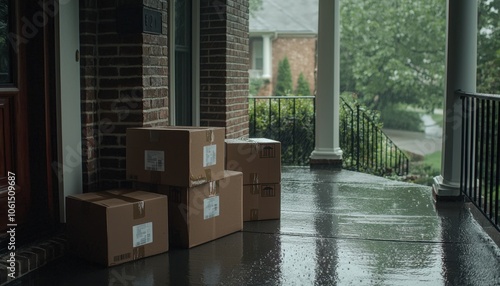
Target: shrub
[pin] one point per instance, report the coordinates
(395, 117)
(255, 85)
(284, 84)
(302, 86)
(290, 121)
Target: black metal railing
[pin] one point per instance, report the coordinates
(480, 170)
(288, 119)
(365, 146)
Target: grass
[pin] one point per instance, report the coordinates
(433, 160)
(423, 170)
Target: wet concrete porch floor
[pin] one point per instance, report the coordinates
(337, 228)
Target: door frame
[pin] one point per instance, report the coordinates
(68, 167)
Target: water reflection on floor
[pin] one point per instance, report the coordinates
(337, 228)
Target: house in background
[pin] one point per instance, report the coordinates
(279, 29)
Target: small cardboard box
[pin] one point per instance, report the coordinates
(206, 212)
(258, 158)
(177, 156)
(117, 226)
(261, 202)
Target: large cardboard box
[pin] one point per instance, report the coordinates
(177, 156)
(206, 212)
(258, 158)
(261, 202)
(117, 226)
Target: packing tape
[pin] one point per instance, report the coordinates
(138, 252)
(200, 179)
(208, 175)
(139, 206)
(210, 135)
(255, 145)
(254, 178)
(255, 189)
(254, 214)
(213, 188)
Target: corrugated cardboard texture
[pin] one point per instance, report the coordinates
(261, 202)
(188, 226)
(258, 158)
(177, 156)
(100, 225)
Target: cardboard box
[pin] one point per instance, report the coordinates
(206, 212)
(177, 156)
(117, 226)
(258, 158)
(261, 202)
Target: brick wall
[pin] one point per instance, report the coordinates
(125, 80)
(224, 64)
(301, 53)
(124, 84)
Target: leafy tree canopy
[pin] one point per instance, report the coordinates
(394, 51)
(254, 5)
(488, 61)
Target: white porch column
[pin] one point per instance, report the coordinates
(267, 51)
(327, 150)
(461, 53)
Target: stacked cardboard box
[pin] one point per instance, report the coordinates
(260, 161)
(187, 164)
(117, 226)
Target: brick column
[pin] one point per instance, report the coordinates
(224, 64)
(124, 84)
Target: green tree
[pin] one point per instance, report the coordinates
(393, 51)
(488, 60)
(302, 86)
(254, 5)
(284, 85)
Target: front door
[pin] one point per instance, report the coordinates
(14, 168)
(26, 108)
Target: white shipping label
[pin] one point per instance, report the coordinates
(142, 234)
(211, 207)
(154, 160)
(209, 155)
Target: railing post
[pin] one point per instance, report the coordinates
(254, 116)
(359, 138)
(279, 119)
(293, 135)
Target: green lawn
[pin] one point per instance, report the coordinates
(434, 160)
(423, 171)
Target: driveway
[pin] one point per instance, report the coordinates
(414, 142)
(419, 143)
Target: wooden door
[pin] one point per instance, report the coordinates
(14, 168)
